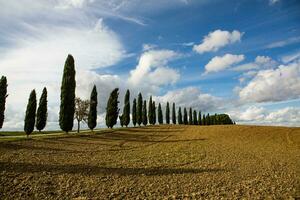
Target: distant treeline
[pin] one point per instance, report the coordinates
(72, 107)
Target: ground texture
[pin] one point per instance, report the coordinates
(155, 162)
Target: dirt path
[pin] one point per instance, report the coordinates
(156, 162)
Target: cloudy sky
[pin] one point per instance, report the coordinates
(240, 57)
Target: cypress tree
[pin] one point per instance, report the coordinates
(139, 112)
(41, 115)
(67, 96)
(199, 118)
(190, 117)
(121, 118)
(173, 114)
(112, 110)
(153, 113)
(207, 119)
(168, 113)
(204, 120)
(144, 118)
(195, 120)
(134, 112)
(92, 117)
(185, 117)
(160, 115)
(3, 96)
(126, 109)
(150, 111)
(179, 116)
(30, 114)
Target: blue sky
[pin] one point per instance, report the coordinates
(241, 57)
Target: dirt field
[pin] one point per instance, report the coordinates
(158, 162)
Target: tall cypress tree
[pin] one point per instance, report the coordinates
(134, 112)
(173, 114)
(195, 120)
(126, 109)
(204, 120)
(30, 114)
(67, 96)
(160, 115)
(41, 115)
(190, 116)
(139, 112)
(185, 117)
(92, 117)
(144, 111)
(3, 96)
(199, 118)
(150, 111)
(112, 110)
(168, 113)
(179, 116)
(153, 113)
(208, 119)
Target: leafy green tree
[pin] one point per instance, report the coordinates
(153, 113)
(126, 109)
(144, 111)
(185, 117)
(81, 111)
(190, 116)
(41, 115)
(168, 113)
(67, 96)
(225, 119)
(134, 112)
(3, 96)
(195, 120)
(30, 114)
(179, 116)
(199, 118)
(150, 111)
(160, 115)
(92, 116)
(139, 112)
(112, 110)
(173, 114)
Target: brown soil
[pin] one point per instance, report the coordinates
(155, 162)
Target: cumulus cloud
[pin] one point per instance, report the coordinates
(261, 62)
(278, 84)
(216, 40)
(219, 63)
(153, 71)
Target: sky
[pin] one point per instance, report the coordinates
(240, 57)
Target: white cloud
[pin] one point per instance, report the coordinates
(261, 62)
(272, 2)
(272, 85)
(291, 57)
(152, 70)
(282, 43)
(220, 63)
(216, 40)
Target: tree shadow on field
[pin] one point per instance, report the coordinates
(98, 170)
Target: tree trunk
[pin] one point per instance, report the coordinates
(78, 126)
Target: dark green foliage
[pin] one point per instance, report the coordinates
(67, 96)
(139, 109)
(179, 116)
(185, 117)
(30, 113)
(204, 120)
(173, 114)
(224, 119)
(195, 120)
(199, 118)
(190, 116)
(150, 111)
(121, 118)
(3, 96)
(126, 109)
(168, 113)
(92, 116)
(41, 115)
(112, 110)
(208, 119)
(153, 113)
(160, 115)
(134, 112)
(144, 111)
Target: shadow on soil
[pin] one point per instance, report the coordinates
(94, 170)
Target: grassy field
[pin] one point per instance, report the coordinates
(155, 162)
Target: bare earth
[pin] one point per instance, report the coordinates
(155, 162)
